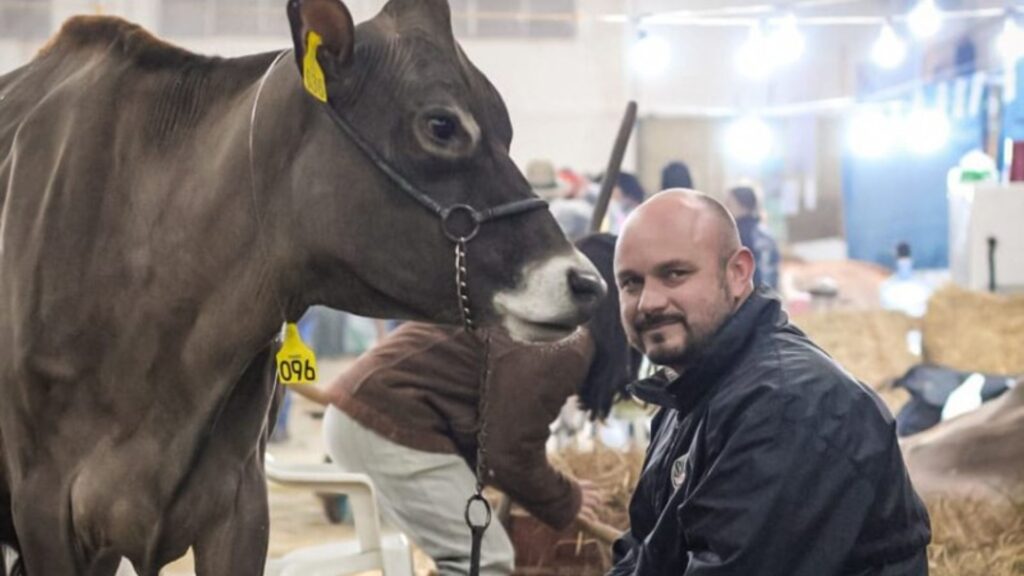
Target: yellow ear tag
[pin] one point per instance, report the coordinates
(312, 73)
(296, 363)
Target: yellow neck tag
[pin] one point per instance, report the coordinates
(312, 73)
(296, 363)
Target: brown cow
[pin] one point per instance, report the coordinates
(978, 454)
(161, 214)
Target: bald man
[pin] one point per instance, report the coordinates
(766, 457)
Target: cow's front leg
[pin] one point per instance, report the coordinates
(45, 535)
(236, 542)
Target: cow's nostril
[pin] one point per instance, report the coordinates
(587, 288)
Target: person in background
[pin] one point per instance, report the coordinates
(406, 414)
(676, 175)
(541, 176)
(903, 291)
(745, 206)
(571, 208)
(626, 196)
(766, 457)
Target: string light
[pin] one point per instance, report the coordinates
(924, 20)
(763, 52)
(749, 140)
(889, 50)
(785, 43)
(1010, 41)
(752, 59)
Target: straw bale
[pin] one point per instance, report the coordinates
(975, 331)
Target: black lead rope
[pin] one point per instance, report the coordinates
(445, 214)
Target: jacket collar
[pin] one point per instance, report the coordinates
(682, 392)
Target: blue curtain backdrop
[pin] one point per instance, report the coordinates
(901, 196)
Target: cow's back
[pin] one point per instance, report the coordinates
(105, 163)
(103, 80)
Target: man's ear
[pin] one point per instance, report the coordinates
(324, 26)
(740, 271)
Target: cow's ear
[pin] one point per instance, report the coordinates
(324, 26)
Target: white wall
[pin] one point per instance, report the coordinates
(703, 74)
(565, 97)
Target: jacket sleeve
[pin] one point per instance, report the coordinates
(624, 554)
(776, 498)
(527, 387)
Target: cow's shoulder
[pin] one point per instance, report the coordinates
(83, 33)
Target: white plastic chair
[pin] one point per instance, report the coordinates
(377, 546)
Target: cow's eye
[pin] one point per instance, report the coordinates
(443, 127)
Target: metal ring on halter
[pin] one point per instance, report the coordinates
(446, 216)
(487, 508)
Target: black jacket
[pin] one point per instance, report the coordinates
(768, 459)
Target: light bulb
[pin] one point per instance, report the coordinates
(749, 140)
(889, 50)
(924, 20)
(1010, 41)
(752, 58)
(785, 43)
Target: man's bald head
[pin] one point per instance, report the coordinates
(682, 272)
(709, 218)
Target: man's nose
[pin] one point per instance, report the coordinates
(651, 300)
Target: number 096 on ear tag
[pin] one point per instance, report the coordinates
(296, 363)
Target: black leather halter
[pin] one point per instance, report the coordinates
(444, 213)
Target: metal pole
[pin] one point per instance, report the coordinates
(611, 173)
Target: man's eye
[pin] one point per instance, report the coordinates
(676, 274)
(629, 284)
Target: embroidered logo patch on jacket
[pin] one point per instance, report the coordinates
(678, 475)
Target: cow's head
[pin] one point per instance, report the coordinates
(406, 88)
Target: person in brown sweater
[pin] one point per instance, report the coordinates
(406, 414)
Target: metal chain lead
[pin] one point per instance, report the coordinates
(481, 431)
(461, 288)
(466, 312)
(476, 529)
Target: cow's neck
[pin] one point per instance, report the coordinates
(222, 288)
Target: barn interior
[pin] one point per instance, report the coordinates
(884, 143)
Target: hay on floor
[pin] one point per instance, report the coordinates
(969, 537)
(614, 472)
(976, 538)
